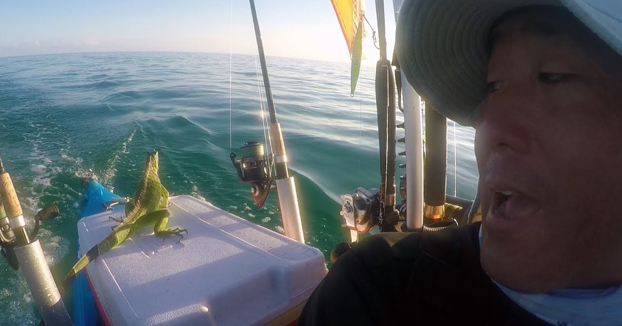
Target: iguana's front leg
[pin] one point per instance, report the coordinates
(160, 231)
(128, 208)
(160, 219)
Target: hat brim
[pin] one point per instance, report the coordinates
(441, 46)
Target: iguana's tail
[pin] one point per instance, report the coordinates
(120, 233)
(79, 266)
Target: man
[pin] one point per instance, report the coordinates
(541, 82)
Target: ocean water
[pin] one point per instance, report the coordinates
(64, 117)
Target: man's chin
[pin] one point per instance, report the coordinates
(517, 273)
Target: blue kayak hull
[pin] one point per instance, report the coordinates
(84, 304)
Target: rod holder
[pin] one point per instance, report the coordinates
(41, 283)
(290, 212)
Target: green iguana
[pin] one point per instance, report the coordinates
(148, 207)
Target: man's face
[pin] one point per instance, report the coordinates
(549, 151)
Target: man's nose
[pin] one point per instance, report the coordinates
(503, 123)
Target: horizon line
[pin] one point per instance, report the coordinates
(173, 51)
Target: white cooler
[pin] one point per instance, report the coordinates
(226, 271)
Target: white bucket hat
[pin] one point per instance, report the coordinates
(441, 45)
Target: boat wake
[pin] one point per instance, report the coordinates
(110, 172)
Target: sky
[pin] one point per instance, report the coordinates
(290, 28)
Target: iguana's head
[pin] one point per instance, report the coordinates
(152, 161)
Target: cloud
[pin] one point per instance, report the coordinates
(90, 42)
(37, 43)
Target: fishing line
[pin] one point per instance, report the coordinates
(230, 78)
(360, 132)
(264, 119)
(455, 162)
(261, 106)
(373, 35)
(267, 136)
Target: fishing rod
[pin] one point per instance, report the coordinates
(254, 166)
(385, 105)
(435, 174)
(366, 208)
(22, 250)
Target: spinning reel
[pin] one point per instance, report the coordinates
(255, 168)
(360, 210)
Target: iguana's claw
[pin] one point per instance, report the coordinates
(118, 220)
(170, 232)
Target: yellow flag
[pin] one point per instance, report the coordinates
(351, 15)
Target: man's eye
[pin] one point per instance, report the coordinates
(552, 78)
(493, 86)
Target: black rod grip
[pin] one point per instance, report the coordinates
(435, 167)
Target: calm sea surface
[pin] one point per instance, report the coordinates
(63, 116)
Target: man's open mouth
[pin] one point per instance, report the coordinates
(511, 205)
